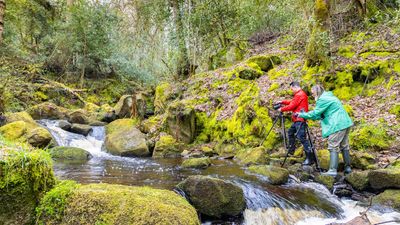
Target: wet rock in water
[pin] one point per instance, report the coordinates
(65, 125)
(384, 178)
(14, 130)
(389, 198)
(124, 139)
(123, 108)
(78, 116)
(359, 220)
(70, 153)
(200, 163)
(326, 180)
(303, 173)
(213, 197)
(167, 147)
(181, 122)
(342, 190)
(227, 150)
(114, 204)
(97, 123)
(81, 129)
(358, 180)
(362, 160)
(275, 175)
(207, 151)
(252, 156)
(39, 137)
(48, 110)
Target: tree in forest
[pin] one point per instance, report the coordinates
(2, 11)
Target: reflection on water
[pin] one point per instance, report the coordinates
(306, 203)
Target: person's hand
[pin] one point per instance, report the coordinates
(296, 114)
(279, 110)
(278, 102)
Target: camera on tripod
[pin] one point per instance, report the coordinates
(277, 106)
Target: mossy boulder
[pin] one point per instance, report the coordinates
(14, 130)
(181, 122)
(384, 178)
(265, 62)
(39, 137)
(151, 124)
(123, 108)
(200, 163)
(78, 116)
(25, 176)
(19, 116)
(358, 180)
(362, 160)
(48, 110)
(251, 156)
(327, 181)
(69, 153)
(65, 125)
(213, 197)
(248, 73)
(167, 147)
(83, 129)
(124, 139)
(114, 204)
(275, 175)
(163, 93)
(208, 151)
(389, 198)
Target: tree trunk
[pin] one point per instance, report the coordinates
(183, 65)
(2, 11)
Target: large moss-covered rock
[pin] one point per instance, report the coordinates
(384, 178)
(39, 137)
(83, 129)
(213, 197)
(265, 62)
(200, 163)
(70, 153)
(114, 204)
(78, 116)
(14, 130)
(19, 116)
(252, 156)
(358, 180)
(181, 122)
(389, 198)
(25, 176)
(124, 139)
(48, 110)
(326, 180)
(362, 160)
(167, 147)
(275, 175)
(123, 109)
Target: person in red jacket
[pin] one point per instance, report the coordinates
(299, 103)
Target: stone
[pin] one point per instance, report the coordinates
(78, 116)
(39, 137)
(81, 129)
(389, 198)
(14, 130)
(207, 151)
(123, 108)
(327, 181)
(167, 147)
(358, 180)
(181, 123)
(275, 175)
(19, 116)
(213, 197)
(65, 125)
(114, 204)
(69, 153)
(199, 163)
(252, 156)
(265, 62)
(384, 178)
(124, 139)
(362, 160)
(48, 110)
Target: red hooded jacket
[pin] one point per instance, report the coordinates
(299, 102)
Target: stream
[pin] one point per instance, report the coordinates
(294, 203)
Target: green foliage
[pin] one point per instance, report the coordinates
(370, 137)
(395, 110)
(347, 51)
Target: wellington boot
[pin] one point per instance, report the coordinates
(347, 161)
(309, 159)
(333, 164)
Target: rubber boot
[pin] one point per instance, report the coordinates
(309, 158)
(333, 164)
(347, 161)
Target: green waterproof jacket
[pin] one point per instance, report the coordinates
(330, 111)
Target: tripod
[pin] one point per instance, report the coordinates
(280, 118)
(308, 136)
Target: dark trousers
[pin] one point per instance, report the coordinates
(300, 129)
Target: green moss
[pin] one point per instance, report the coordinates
(248, 73)
(40, 96)
(273, 87)
(274, 73)
(370, 137)
(344, 78)
(167, 147)
(395, 110)
(256, 155)
(392, 81)
(116, 125)
(384, 178)
(347, 51)
(69, 153)
(349, 109)
(346, 93)
(14, 130)
(161, 97)
(116, 204)
(362, 160)
(358, 180)
(328, 181)
(379, 54)
(200, 163)
(389, 198)
(265, 62)
(375, 45)
(275, 175)
(317, 48)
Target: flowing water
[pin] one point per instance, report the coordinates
(293, 203)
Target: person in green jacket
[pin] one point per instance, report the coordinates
(335, 123)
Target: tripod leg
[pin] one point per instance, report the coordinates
(313, 149)
(276, 120)
(284, 140)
